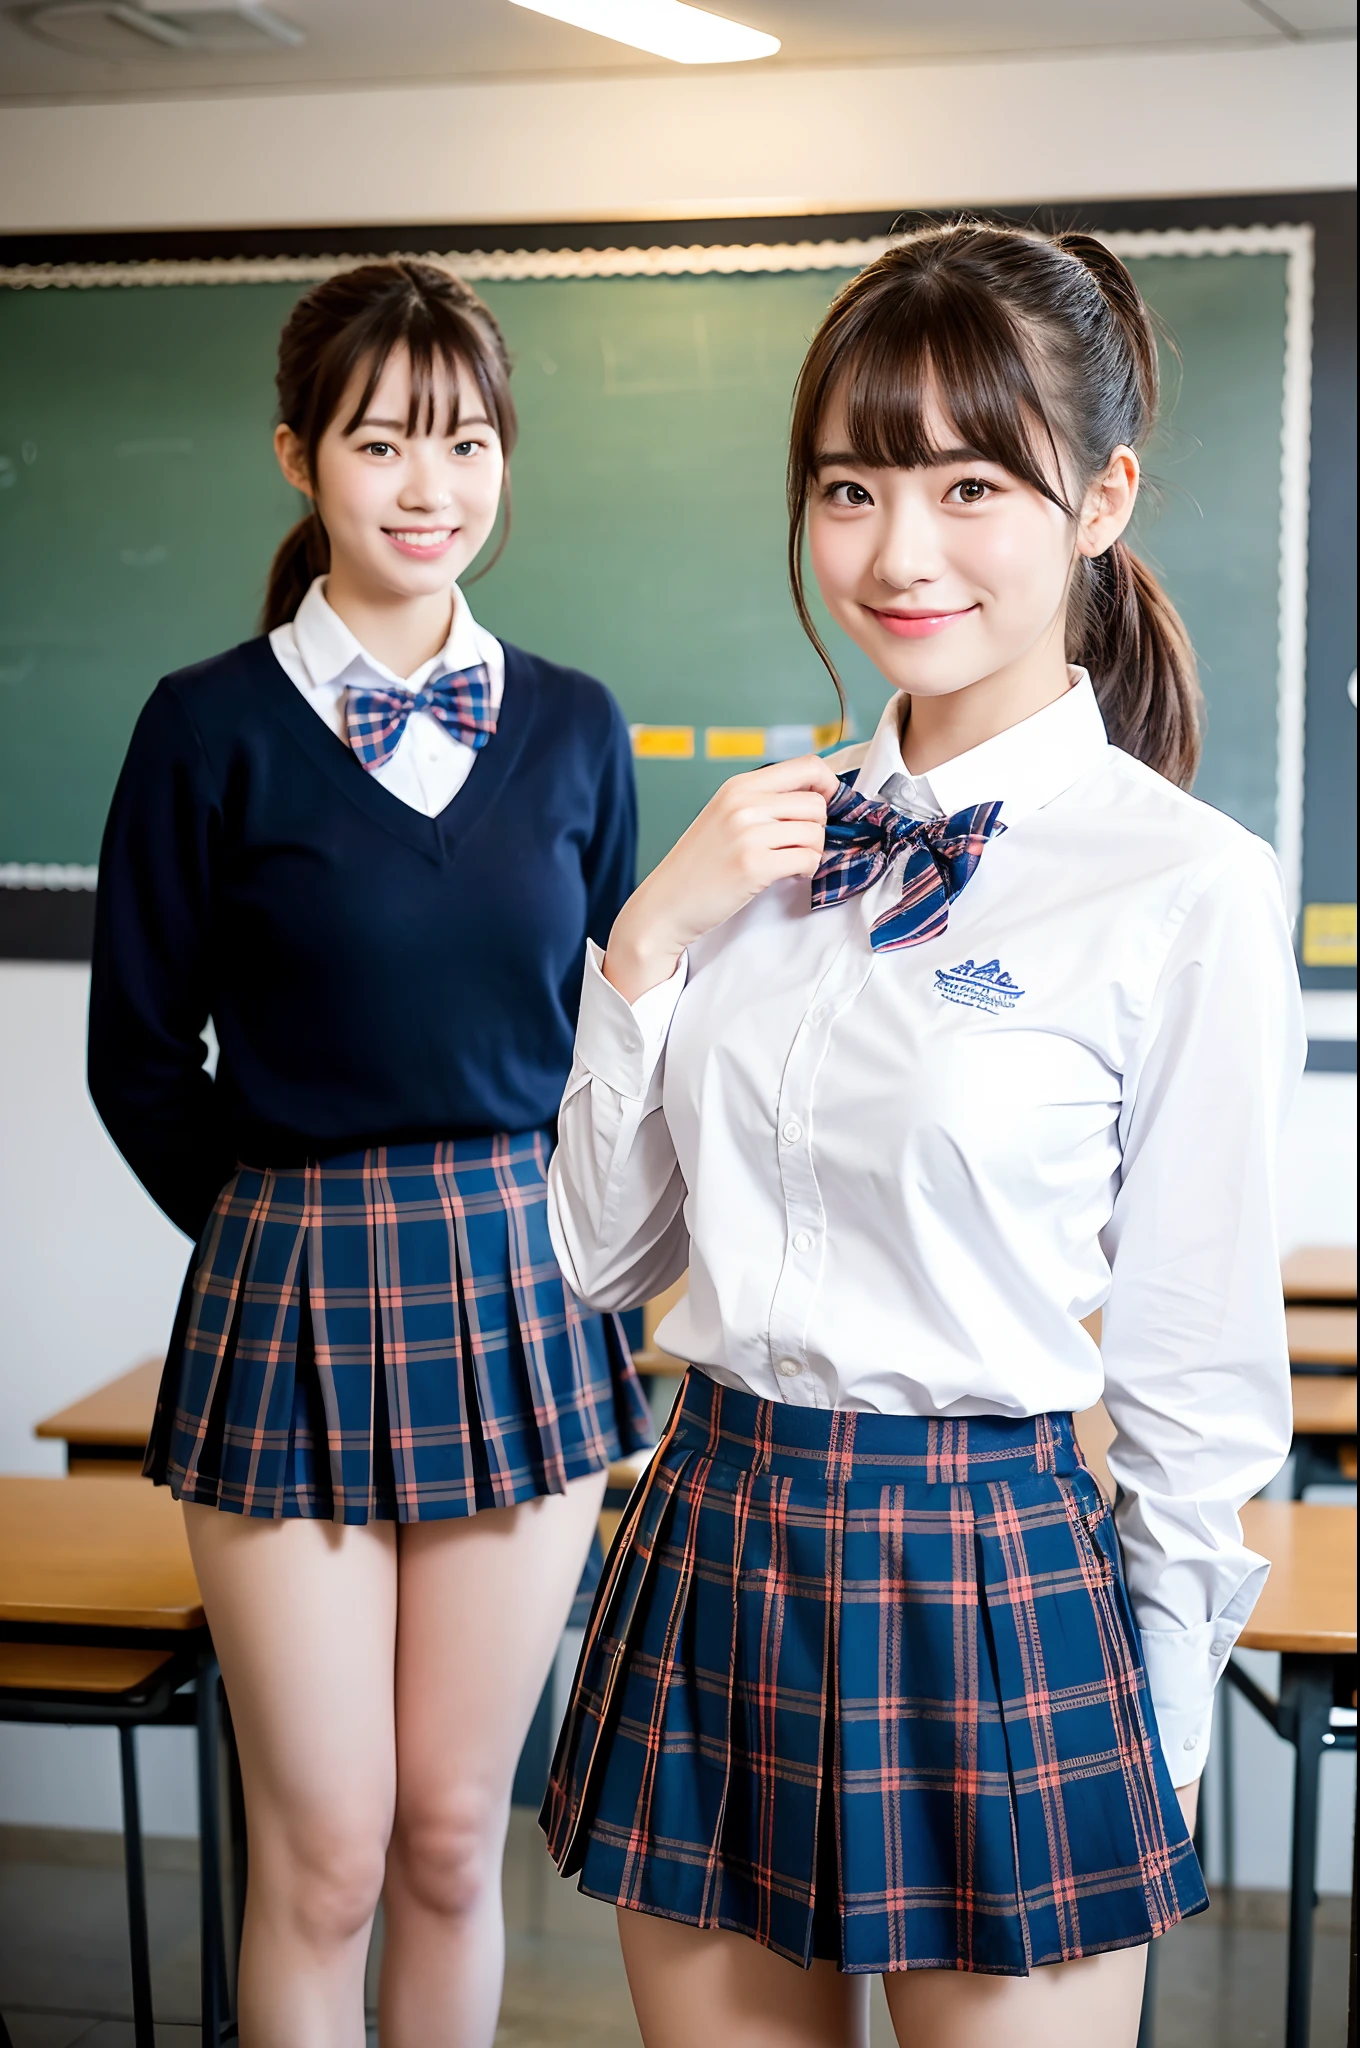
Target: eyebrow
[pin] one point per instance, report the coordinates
(400, 427)
(846, 458)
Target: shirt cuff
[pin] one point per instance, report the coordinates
(1183, 1667)
(619, 1042)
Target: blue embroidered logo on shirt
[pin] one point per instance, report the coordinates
(981, 988)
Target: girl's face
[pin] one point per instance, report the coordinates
(405, 513)
(953, 573)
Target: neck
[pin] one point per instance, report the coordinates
(400, 632)
(937, 729)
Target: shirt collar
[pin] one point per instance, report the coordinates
(1023, 768)
(333, 657)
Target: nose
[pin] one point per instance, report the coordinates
(909, 546)
(426, 486)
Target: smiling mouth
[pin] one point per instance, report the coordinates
(420, 540)
(919, 625)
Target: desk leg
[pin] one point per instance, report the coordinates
(143, 2022)
(1305, 1711)
(212, 1964)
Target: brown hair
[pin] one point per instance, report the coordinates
(353, 322)
(1036, 347)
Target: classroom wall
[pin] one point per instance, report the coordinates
(695, 144)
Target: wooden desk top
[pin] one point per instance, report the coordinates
(1324, 1407)
(1321, 1272)
(1309, 1600)
(1321, 1336)
(94, 1553)
(119, 1412)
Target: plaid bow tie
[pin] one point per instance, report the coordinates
(864, 837)
(376, 719)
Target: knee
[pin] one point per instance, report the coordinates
(449, 1855)
(330, 1880)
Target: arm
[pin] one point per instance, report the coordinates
(1196, 1360)
(149, 992)
(615, 1190)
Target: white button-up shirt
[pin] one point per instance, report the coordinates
(317, 651)
(901, 1179)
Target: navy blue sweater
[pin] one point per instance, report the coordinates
(373, 975)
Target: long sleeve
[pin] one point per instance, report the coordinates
(615, 1191)
(610, 862)
(149, 990)
(1195, 1354)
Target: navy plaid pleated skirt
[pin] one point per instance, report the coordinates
(386, 1336)
(868, 1688)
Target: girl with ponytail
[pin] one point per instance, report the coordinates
(917, 1058)
(371, 846)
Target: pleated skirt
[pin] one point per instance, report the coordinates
(386, 1336)
(869, 1688)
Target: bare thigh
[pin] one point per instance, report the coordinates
(705, 1988)
(482, 1604)
(1094, 2002)
(303, 1616)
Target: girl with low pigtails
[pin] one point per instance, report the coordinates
(370, 845)
(915, 1058)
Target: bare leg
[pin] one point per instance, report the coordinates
(482, 1603)
(303, 1616)
(1067, 2005)
(699, 1985)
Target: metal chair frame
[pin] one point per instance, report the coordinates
(184, 1693)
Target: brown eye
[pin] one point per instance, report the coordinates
(972, 490)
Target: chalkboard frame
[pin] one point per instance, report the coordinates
(130, 260)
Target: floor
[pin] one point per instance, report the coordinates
(63, 1970)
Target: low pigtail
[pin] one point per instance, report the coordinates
(302, 555)
(1124, 629)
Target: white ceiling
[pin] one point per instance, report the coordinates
(383, 42)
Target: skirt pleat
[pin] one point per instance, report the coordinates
(387, 1336)
(869, 1688)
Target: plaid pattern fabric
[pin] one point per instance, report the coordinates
(868, 1687)
(461, 701)
(864, 838)
(387, 1336)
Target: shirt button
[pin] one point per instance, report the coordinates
(802, 1241)
(791, 1132)
(787, 1368)
(1222, 1646)
(1190, 1742)
(819, 1015)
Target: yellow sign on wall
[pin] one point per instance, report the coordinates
(1329, 935)
(663, 742)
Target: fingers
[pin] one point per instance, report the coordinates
(806, 771)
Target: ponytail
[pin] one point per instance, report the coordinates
(1124, 630)
(302, 555)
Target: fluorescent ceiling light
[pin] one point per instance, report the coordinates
(687, 35)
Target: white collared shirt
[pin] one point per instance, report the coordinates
(317, 651)
(901, 1179)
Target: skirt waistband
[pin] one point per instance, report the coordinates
(848, 1446)
(417, 1157)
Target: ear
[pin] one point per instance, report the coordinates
(292, 460)
(1108, 505)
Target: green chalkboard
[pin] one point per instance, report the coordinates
(139, 504)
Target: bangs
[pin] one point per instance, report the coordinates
(438, 342)
(952, 359)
